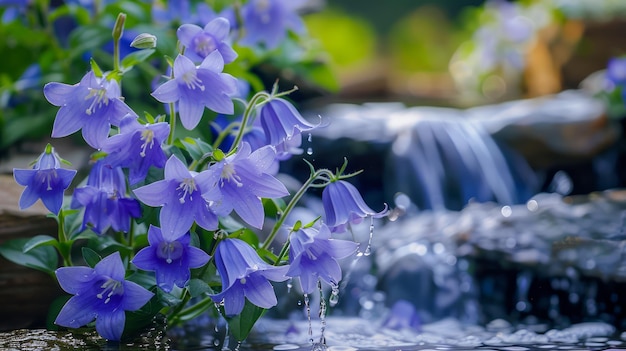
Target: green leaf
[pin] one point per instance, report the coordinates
(198, 287)
(135, 58)
(43, 258)
(91, 257)
(241, 324)
(168, 299)
(95, 68)
(38, 241)
(196, 147)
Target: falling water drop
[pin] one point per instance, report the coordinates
(333, 300)
(309, 151)
(289, 285)
(309, 138)
(308, 316)
(238, 346)
(368, 249)
(322, 313)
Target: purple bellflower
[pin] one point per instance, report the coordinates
(245, 275)
(180, 194)
(105, 200)
(137, 147)
(343, 205)
(200, 42)
(616, 71)
(313, 255)
(100, 293)
(196, 87)
(281, 121)
(267, 21)
(403, 315)
(171, 260)
(241, 181)
(46, 181)
(92, 105)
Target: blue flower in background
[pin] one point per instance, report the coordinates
(46, 181)
(13, 9)
(92, 105)
(343, 204)
(241, 181)
(313, 255)
(100, 293)
(281, 121)
(616, 71)
(180, 194)
(245, 275)
(196, 87)
(171, 260)
(267, 21)
(105, 201)
(200, 42)
(403, 315)
(137, 147)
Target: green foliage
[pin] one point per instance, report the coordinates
(43, 258)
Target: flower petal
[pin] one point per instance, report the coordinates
(111, 266)
(135, 296)
(190, 112)
(111, 325)
(186, 32)
(76, 312)
(154, 194)
(72, 279)
(259, 291)
(176, 219)
(167, 92)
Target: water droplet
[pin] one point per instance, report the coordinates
(289, 285)
(333, 300)
(532, 205)
(506, 211)
(309, 151)
(309, 138)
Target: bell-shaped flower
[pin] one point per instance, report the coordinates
(46, 181)
(200, 42)
(171, 260)
(137, 147)
(267, 21)
(313, 255)
(105, 200)
(403, 315)
(180, 194)
(196, 87)
(245, 275)
(241, 181)
(100, 293)
(93, 105)
(281, 121)
(343, 205)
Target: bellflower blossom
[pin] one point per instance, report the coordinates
(616, 73)
(105, 200)
(100, 293)
(46, 181)
(313, 255)
(200, 42)
(344, 204)
(245, 275)
(281, 121)
(267, 21)
(93, 105)
(196, 87)
(137, 147)
(180, 194)
(171, 260)
(241, 181)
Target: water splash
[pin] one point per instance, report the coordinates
(322, 313)
(307, 307)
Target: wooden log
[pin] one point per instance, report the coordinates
(25, 293)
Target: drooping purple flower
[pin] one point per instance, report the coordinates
(267, 21)
(137, 147)
(245, 275)
(281, 121)
(313, 255)
(100, 293)
(196, 87)
(343, 204)
(171, 260)
(46, 181)
(200, 42)
(241, 181)
(180, 194)
(105, 200)
(93, 105)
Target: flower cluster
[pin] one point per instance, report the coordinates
(176, 217)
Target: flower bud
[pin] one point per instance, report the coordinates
(118, 28)
(144, 41)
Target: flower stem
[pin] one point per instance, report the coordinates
(256, 99)
(294, 200)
